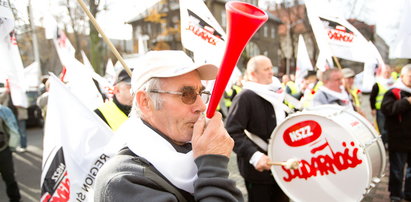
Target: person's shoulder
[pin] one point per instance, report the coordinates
(118, 167)
(246, 92)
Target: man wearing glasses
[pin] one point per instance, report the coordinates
(167, 151)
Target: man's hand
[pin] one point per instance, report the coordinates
(211, 137)
(262, 164)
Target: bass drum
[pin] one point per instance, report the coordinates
(341, 155)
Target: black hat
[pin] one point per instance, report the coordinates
(122, 76)
(310, 73)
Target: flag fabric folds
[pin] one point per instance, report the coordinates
(11, 68)
(303, 61)
(334, 34)
(74, 141)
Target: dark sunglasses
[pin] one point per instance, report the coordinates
(188, 94)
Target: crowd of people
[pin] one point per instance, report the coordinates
(163, 104)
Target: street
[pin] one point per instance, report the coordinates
(28, 167)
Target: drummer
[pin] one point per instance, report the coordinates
(251, 119)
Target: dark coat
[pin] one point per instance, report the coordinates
(397, 113)
(250, 111)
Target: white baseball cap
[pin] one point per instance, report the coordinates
(168, 63)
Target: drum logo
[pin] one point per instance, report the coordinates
(302, 133)
(328, 161)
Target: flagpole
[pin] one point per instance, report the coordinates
(105, 38)
(337, 62)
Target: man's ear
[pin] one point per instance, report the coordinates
(143, 101)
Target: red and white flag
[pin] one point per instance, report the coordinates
(200, 32)
(334, 34)
(303, 61)
(203, 35)
(74, 142)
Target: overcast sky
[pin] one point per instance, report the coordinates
(384, 14)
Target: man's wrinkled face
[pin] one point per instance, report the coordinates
(335, 82)
(175, 118)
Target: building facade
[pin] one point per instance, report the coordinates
(159, 26)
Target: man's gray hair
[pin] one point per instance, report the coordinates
(406, 69)
(152, 84)
(326, 75)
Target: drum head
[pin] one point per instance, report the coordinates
(332, 165)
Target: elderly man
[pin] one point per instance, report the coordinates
(254, 114)
(116, 111)
(169, 152)
(332, 92)
(396, 106)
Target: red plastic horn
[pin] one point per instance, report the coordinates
(243, 20)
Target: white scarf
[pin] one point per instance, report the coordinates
(273, 94)
(399, 84)
(343, 95)
(178, 168)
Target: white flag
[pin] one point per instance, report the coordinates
(80, 81)
(201, 33)
(31, 75)
(74, 141)
(334, 34)
(65, 49)
(6, 19)
(12, 70)
(110, 71)
(401, 48)
(303, 61)
(324, 61)
(374, 63)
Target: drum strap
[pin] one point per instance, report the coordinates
(257, 140)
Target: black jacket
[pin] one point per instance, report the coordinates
(397, 113)
(250, 111)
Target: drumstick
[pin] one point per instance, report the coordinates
(289, 164)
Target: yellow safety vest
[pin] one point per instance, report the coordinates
(228, 101)
(293, 87)
(378, 100)
(355, 96)
(309, 96)
(114, 116)
(394, 75)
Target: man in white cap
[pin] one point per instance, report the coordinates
(168, 152)
(354, 93)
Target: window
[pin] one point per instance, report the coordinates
(252, 49)
(273, 32)
(265, 31)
